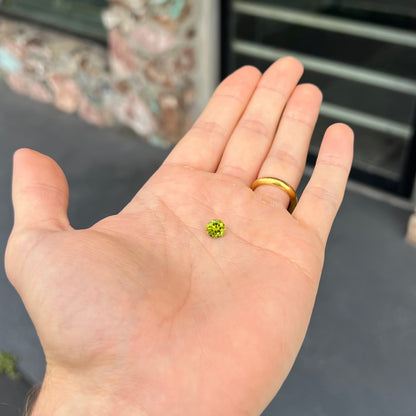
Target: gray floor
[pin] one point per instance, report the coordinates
(358, 357)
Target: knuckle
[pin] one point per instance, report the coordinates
(231, 96)
(255, 126)
(234, 171)
(44, 190)
(278, 93)
(324, 195)
(284, 157)
(211, 128)
(299, 117)
(334, 162)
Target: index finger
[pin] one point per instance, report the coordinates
(203, 146)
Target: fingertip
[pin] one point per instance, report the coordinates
(292, 62)
(20, 159)
(27, 157)
(341, 130)
(26, 151)
(339, 140)
(39, 190)
(245, 77)
(250, 70)
(311, 90)
(285, 71)
(246, 73)
(20, 153)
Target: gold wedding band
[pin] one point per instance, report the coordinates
(280, 184)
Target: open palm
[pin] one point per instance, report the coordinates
(144, 304)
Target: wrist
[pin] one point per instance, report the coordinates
(62, 394)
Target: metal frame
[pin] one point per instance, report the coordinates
(406, 187)
(208, 50)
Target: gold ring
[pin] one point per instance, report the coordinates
(280, 184)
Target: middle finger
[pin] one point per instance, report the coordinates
(253, 135)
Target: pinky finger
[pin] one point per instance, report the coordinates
(323, 195)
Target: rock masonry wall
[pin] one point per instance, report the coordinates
(145, 79)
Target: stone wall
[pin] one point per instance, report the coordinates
(145, 79)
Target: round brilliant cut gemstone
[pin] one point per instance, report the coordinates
(215, 228)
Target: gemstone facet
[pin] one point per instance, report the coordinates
(215, 228)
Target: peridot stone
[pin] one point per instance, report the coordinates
(215, 228)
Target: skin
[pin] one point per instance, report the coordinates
(145, 314)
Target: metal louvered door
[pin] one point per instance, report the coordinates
(362, 54)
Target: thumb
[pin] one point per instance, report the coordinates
(40, 192)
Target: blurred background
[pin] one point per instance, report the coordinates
(106, 87)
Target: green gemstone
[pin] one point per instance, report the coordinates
(216, 228)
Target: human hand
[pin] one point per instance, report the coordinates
(144, 313)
